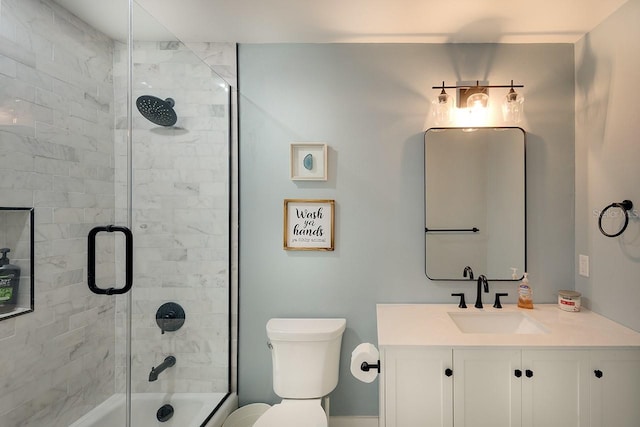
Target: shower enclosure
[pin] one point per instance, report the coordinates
(75, 149)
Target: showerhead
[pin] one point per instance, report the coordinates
(156, 110)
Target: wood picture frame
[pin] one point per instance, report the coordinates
(308, 162)
(309, 224)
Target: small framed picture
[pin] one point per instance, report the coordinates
(308, 224)
(308, 162)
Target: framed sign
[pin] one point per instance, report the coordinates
(308, 162)
(308, 224)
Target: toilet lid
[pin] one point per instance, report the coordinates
(294, 413)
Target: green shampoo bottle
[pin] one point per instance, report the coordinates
(9, 281)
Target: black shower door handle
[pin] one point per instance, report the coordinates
(91, 264)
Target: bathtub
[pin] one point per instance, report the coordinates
(190, 410)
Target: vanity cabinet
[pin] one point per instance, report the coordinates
(573, 370)
(492, 387)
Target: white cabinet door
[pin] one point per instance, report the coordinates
(415, 389)
(555, 388)
(486, 390)
(615, 388)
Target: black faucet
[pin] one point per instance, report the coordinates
(482, 280)
(169, 361)
(468, 269)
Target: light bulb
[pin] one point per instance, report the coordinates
(478, 100)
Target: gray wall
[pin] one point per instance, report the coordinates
(371, 105)
(607, 156)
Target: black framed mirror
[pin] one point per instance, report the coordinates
(475, 202)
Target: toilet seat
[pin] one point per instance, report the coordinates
(294, 413)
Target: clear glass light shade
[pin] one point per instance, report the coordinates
(478, 100)
(442, 109)
(513, 107)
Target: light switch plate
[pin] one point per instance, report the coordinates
(583, 268)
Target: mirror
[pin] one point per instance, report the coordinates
(475, 202)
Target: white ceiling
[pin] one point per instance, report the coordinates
(338, 21)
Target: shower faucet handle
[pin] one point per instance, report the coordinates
(170, 317)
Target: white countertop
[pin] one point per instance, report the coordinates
(431, 325)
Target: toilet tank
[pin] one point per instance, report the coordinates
(305, 355)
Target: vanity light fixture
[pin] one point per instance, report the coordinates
(476, 97)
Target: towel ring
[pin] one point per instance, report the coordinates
(626, 206)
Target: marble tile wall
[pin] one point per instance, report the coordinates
(180, 217)
(57, 155)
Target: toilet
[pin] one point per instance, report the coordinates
(305, 355)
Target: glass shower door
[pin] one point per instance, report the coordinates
(180, 211)
(57, 104)
(172, 189)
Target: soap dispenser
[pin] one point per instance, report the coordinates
(525, 294)
(9, 280)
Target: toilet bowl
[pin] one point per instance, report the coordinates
(305, 355)
(294, 413)
(246, 416)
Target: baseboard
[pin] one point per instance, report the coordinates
(353, 421)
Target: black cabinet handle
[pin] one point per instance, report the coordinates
(91, 260)
(448, 372)
(528, 373)
(517, 373)
(598, 373)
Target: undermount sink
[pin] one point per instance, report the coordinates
(496, 323)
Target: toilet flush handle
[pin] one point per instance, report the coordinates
(269, 345)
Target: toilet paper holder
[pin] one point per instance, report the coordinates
(366, 367)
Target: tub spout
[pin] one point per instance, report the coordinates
(169, 361)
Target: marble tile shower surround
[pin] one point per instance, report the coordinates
(180, 218)
(56, 154)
